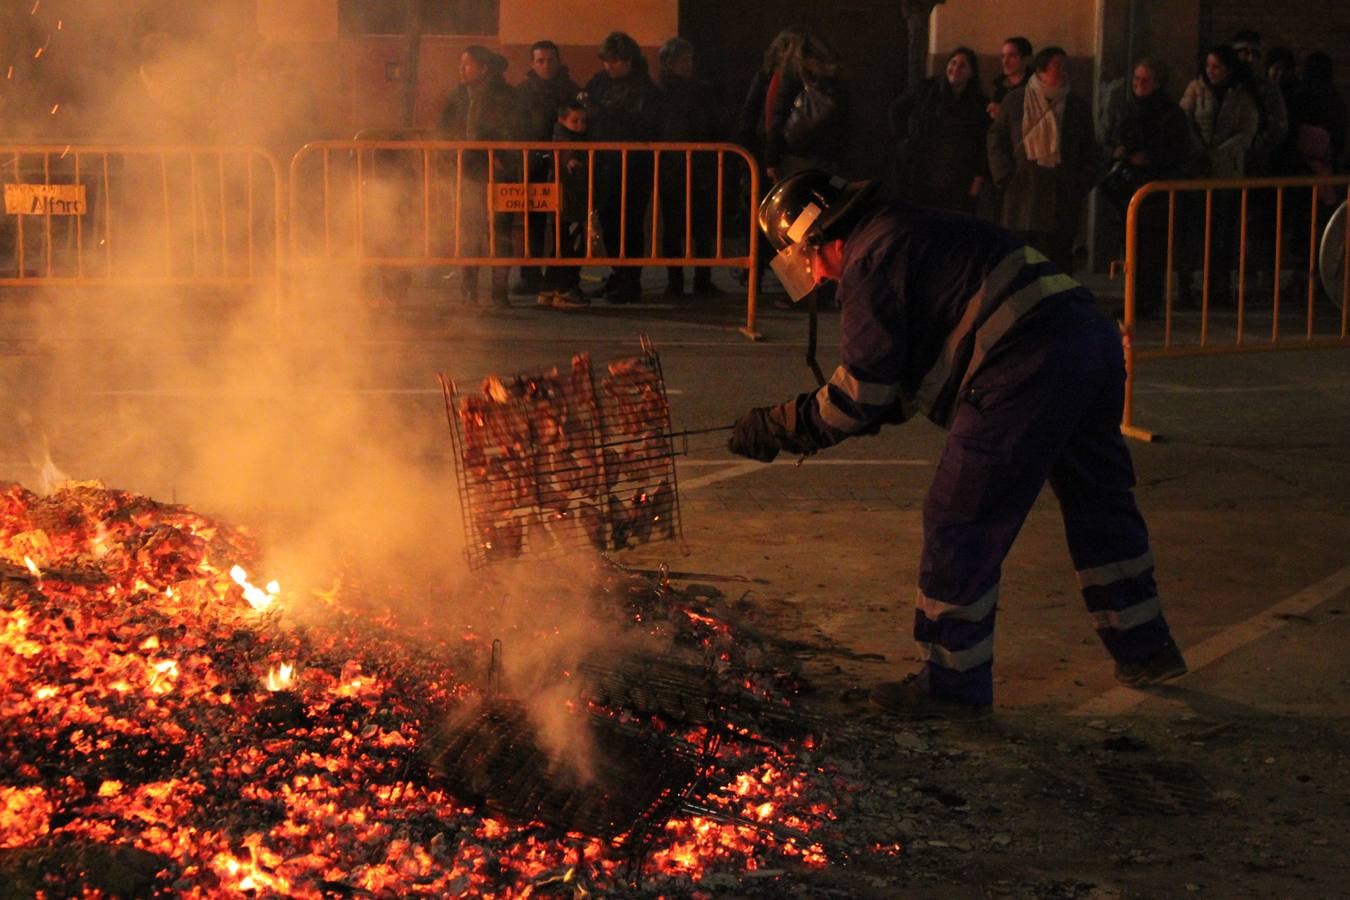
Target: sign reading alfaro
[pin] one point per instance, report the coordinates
(45, 199)
(511, 197)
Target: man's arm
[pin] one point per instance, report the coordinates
(865, 391)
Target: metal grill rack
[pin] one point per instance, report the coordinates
(549, 463)
(637, 778)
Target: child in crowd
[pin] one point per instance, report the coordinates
(574, 179)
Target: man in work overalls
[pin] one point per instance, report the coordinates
(954, 317)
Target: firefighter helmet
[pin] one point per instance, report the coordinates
(810, 205)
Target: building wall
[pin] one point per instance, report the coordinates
(982, 25)
(359, 82)
(303, 21)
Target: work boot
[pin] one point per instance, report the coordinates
(908, 699)
(1167, 663)
(544, 299)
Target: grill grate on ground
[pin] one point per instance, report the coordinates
(630, 777)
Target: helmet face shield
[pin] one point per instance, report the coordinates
(801, 212)
(794, 266)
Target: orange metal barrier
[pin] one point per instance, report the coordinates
(102, 214)
(373, 203)
(1200, 216)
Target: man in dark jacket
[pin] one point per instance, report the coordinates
(956, 318)
(546, 88)
(689, 114)
(623, 104)
(482, 108)
(1274, 123)
(1015, 68)
(1152, 142)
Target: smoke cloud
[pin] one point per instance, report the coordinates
(287, 417)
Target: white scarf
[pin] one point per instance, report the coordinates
(1042, 118)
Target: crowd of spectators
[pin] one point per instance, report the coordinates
(606, 195)
(1030, 161)
(1024, 153)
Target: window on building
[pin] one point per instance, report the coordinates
(358, 17)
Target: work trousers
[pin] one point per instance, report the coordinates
(1045, 406)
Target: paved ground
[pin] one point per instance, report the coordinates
(1247, 495)
(338, 420)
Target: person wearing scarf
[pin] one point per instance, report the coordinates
(1042, 155)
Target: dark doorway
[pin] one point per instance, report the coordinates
(870, 38)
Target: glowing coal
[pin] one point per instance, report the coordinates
(148, 711)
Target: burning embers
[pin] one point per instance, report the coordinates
(158, 728)
(556, 461)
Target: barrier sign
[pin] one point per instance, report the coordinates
(511, 197)
(45, 199)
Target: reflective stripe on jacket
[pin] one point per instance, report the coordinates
(925, 299)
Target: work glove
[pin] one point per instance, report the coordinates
(756, 434)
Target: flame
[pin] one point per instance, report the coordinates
(50, 476)
(165, 673)
(258, 598)
(33, 567)
(279, 677)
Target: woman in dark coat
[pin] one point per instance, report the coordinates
(807, 61)
(1317, 139)
(751, 130)
(689, 115)
(939, 129)
(1152, 142)
(483, 108)
(623, 104)
(1043, 156)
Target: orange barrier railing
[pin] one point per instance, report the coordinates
(104, 214)
(372, 203)
(1203, 216)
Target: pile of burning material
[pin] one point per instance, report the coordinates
(167, 727)
(547, 463)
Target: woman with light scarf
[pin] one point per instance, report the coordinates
(1043, 155)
